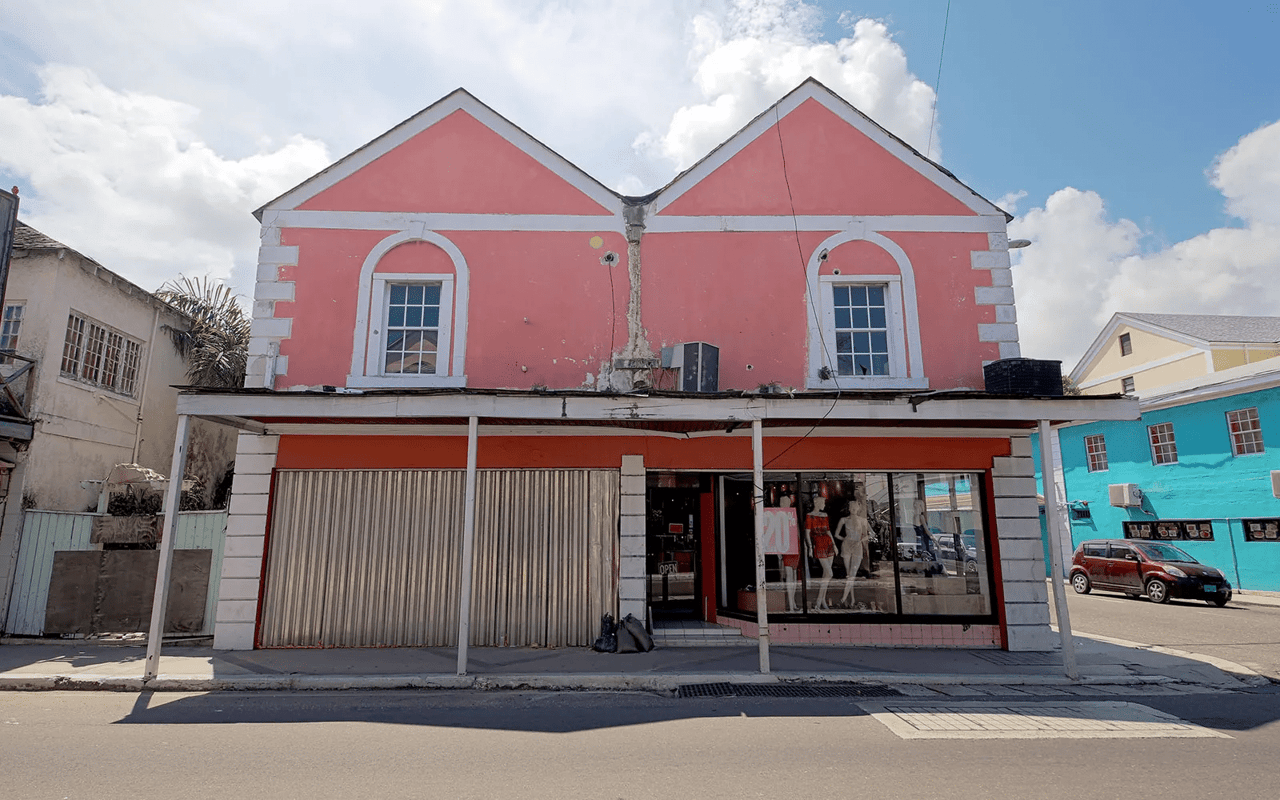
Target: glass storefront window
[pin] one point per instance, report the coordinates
(860, 544)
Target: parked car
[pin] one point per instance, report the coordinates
(1156, 569)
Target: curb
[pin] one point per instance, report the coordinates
(666, 684)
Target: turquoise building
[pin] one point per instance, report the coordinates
(1200, 469)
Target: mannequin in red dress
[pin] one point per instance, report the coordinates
(820, 545)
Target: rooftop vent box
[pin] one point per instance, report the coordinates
(1029, 376)
(1125, 495)
(697, 366)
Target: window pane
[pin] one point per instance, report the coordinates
(397, 294)
(841, 295)
(844, 343)
(859, 318)
(875, 295)
(942, 558)
(863, 365)
(844, 365)
(413, 316)
(431, 317)
(412, 341)
(431, 294)
(842, 317)
(858, 295)
(877, 317)
(414, 295)
(880, 365)
(395, 316)
(862, 343)
(879, 342)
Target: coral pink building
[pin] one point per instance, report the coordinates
(490, 399)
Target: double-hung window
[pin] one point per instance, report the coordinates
(96, 354)
(10, 327)
(1163, 448)
(1246, 431)
(861, 342)
(1096, 449)
(409, 331)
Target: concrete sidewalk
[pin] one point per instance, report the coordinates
(40, 664)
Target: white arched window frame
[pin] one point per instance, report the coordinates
(902, 320)
(371, 310)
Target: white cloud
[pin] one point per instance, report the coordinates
(1083, 266)
(123, 178)
(748, 58)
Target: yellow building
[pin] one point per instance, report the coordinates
(1139, 353)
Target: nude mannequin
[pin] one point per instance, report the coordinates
(853, 533)
(790, 563)
(818, 542)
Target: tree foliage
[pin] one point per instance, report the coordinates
(216, 346)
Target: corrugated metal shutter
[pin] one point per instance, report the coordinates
(366, 558)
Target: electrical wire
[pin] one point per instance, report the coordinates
(937, 83)
(813, 309)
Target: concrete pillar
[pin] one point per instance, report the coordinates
(631, 545)
(245, 542)
(1017, 515)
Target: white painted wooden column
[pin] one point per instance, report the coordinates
(468, 546)
(757, 503)
(244, 548)
(1055, 556)
(172, 496)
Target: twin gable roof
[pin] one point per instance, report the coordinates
(460, 156)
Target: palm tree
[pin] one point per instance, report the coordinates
(216, 346)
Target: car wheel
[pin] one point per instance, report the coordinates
(1217, 601)
(1157, 591)
(1080, 582)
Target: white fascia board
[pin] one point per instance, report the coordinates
(1221, 388)
(404, 220)
(645, 408)
(813, 90)
(746, 223)
(543, 431)
(458, 100)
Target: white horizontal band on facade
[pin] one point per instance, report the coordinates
(543, 431)
(397, 221)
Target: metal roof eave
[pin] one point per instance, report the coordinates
(258, 410)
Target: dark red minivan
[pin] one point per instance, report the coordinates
(1156, 569)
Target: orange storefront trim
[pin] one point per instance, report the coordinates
(722, 453)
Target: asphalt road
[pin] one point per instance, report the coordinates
(591, 745)
(1245, 634)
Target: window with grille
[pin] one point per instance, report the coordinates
(1163, 448)
(99, 355)
(1246, 431)
(1126, 344)
(862, 331)
(1126, 385)
(413, 329)
(10, 327)
(1096, 449)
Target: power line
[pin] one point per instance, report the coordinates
(937, 83)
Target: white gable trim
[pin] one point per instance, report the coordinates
(459, 100)
(812, 90)
(1149, 365)
(458, 328)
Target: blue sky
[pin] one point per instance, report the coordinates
(1138, 143)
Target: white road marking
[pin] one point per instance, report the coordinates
(1053, 720)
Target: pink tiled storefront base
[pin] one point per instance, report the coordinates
(886, 635)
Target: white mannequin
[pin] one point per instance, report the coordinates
(789, 568)
(818, 541)
(853, 533)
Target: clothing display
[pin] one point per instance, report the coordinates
(818, 526)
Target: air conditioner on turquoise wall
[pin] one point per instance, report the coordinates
(1125, 495)
(1275, 483)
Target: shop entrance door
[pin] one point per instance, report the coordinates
(672, 552)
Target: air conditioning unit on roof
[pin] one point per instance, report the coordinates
(1125, 495)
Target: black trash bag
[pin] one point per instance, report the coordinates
(626, 641)
(635, 628)
(607, 641)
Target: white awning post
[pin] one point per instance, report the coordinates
(173, 495)
(1055, 555)
(757, 502)
(468, 545)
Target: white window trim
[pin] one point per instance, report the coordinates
(367, 355)
(1173, 440)
(905, 369)
(1235, 445)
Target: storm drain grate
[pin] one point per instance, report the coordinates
(783, 690)
(1020, 659)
